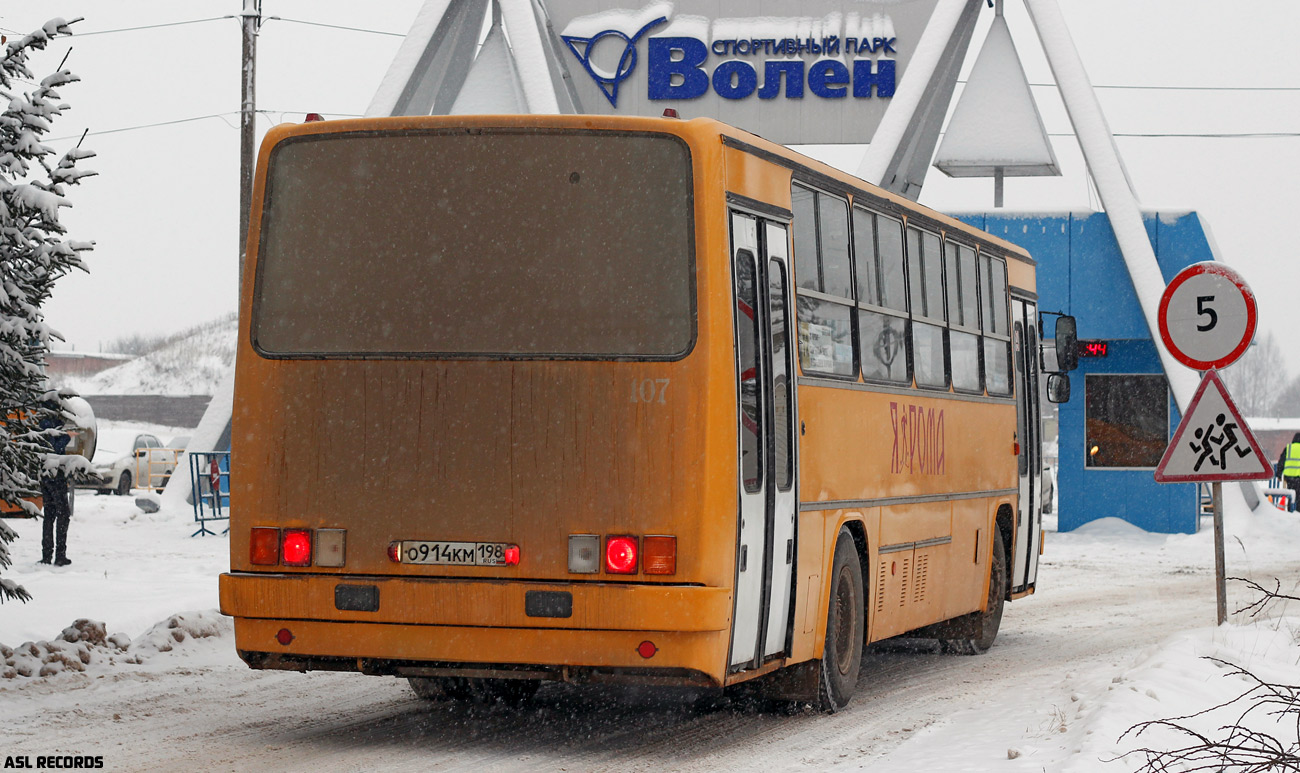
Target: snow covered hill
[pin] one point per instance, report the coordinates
(192, 363)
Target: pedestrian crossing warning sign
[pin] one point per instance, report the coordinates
(1212, 442)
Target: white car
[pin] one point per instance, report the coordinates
(126, 459)
(1048, 488)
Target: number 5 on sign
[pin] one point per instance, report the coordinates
(1207, 316)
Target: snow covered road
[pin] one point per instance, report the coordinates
(1113, 637)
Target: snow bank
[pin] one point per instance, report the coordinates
(192, 364)
(1200, 680)
(86, 646)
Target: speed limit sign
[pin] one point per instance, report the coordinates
(1207, 316)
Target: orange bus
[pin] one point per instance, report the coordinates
(578, 398)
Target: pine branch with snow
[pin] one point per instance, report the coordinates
(34, 254)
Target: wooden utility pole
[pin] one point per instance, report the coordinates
(252, 21)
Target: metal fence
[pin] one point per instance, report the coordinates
(210, 479)
(154, 467)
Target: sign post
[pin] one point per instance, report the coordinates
(1207, 319)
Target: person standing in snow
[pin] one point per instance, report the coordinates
(54, 490)
(1288, 468)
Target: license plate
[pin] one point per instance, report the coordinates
(454, 553)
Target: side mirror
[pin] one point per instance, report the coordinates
(1067, 348)
(1058, 388)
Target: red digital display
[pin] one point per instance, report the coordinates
(1092, 348)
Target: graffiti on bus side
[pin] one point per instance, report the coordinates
(919, 444)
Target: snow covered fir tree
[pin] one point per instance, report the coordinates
(34, 254)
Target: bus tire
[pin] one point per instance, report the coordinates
(845, 628)
(981, 628)
(429, 688)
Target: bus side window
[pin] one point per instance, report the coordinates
(929, 322)
(882, 297)
(963, 317)
(997, 331)
(824, 281)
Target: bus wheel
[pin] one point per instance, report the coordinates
(429, 688)
(845, 628)
(982, 627)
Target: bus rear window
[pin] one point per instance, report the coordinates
(484, 243)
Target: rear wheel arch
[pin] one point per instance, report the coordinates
(858, 530)
(1005, 523)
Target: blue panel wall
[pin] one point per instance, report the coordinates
(1082, 272)
(1088, 493)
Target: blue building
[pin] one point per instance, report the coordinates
(1121, 414)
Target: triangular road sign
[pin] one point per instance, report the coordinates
(1213, 442)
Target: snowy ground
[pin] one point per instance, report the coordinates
(1119, 633)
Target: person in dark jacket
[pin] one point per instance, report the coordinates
(1288, 469)
(54, 490)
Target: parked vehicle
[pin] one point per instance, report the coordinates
(126, 459)
(1049, 488)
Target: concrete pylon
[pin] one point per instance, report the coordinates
(518, 62)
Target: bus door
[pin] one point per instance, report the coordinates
(1024, 568)
(765, 542)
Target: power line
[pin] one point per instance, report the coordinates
(1133, 86)
(151, 26)
(1143, 87)
(147, 126)
(282, 113)
(192, 119)
(1123, 86)
(1210, 135)
(334, 26)
(1193, 135)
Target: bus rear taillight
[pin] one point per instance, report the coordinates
(296, 547)
(660, 555)
(620, 555)
(264, 546)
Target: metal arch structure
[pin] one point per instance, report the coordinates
(439, 53)
(435, 60)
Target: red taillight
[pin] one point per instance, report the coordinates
(395, 552)
(670, 112)
(646, 649)
(296, 547)
(620, 555)
(313, 117)
(264, 546)
(511, 555)
(284, 636)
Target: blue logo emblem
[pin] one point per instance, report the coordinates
(609, 82)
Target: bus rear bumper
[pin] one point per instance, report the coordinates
(424, 627)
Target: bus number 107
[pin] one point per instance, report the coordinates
(650, 390)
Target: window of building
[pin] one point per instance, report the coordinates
(824, 278)
(925, 278)
(1127, 420)
(882, 297)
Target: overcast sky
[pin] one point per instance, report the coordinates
(164, 210)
